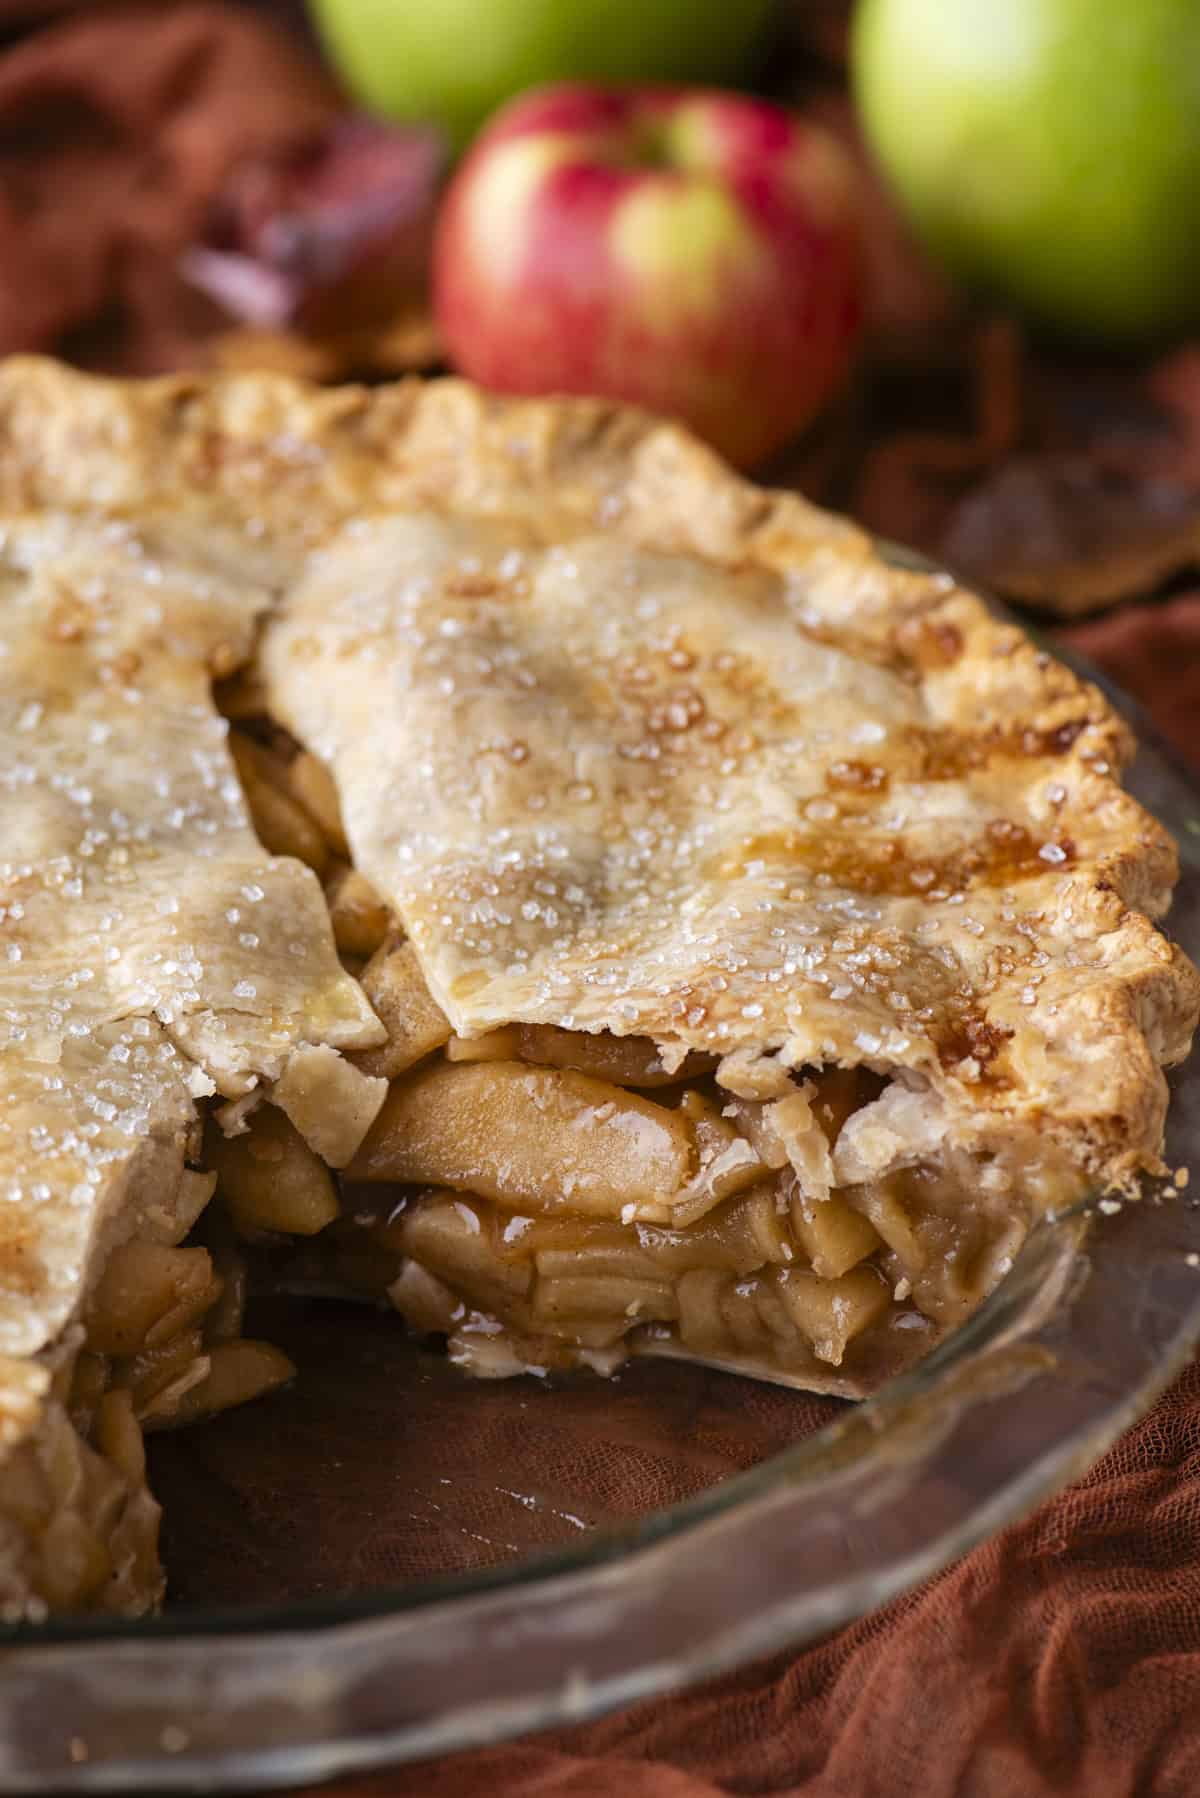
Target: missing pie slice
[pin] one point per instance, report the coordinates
(484, 855)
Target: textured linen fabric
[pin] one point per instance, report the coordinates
(1061, 1658)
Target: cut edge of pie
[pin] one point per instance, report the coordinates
(669, 929)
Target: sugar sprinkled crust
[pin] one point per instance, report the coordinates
(151, 952)
(632, 744)
(1016, 968)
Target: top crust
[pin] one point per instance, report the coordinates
(151, 951)
(632, 744)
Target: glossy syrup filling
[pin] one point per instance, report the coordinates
(544, 1198)
(745, 1269)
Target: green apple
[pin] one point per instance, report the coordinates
(453, 61)
(1048, 150)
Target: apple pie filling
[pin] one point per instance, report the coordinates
(159, 1343)
(543, 1197)
(540, 1216)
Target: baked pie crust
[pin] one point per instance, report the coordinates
(534, 876)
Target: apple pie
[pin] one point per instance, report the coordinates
(485, 856)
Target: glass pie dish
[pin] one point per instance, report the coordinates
(389, 1560)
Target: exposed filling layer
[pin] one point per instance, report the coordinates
(548, 1248)
(159, 1344)
(538, 1196)
(543, 1197)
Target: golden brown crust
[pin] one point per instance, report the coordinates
(151, 952)
(1047, 997)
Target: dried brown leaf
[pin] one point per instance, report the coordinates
(1154, 652)
(1071, 534)
(912, 479)
(332, 235)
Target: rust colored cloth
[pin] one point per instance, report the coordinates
(1061, 1659)
(117, 128)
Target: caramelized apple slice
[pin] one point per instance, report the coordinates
(415, 1023)
(311, 784)
(728, 1163)
(755, 1122)
(237, 1372)
(158, 1377)
(834, 1237)
(270, 1179)
(625, 1060)
(563, 1300)
(359, 916)
(839, 1092)
(778, 1313)
(283, 827)
(831, 1313)
(147, 1293)
(119, 1436)
(738, 1236)
(455, 1239)
(533, 1139)
(424, 1302)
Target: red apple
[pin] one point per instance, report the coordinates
(691, 251)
